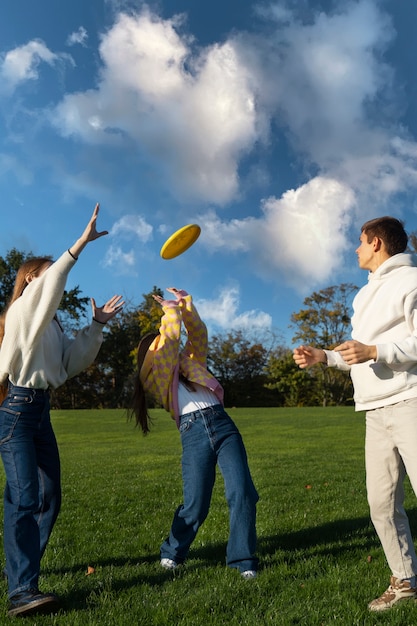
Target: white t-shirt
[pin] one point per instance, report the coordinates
(189, 401)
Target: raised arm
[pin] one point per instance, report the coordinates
(90, 234)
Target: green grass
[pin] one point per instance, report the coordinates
(320, 560)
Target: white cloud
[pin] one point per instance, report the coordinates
(132, 226)
(79, 37)
(235, 235)
(301, 237)
(305, 232)
(22, 64)
(223, 312)
(128, 227)
(193, 114)
(121, 262)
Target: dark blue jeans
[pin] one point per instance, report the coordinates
(209, 437)
(32, 496)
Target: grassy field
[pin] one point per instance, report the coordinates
(320, 561)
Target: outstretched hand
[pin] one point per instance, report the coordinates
(178, 293)
(306, 356)
(106, 312)
(91, 233)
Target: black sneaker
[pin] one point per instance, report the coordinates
(32, 601)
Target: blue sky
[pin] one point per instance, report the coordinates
(278, 127)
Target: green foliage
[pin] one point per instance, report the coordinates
(8, 268)
(239, 365)
(320, 559)
(149, 312)
(72, 308)
(295, 386)
(325, 323)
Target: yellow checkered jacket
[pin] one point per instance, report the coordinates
(164, 360)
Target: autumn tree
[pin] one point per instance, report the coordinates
(149, 312)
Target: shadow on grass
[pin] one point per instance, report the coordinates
(333, 539)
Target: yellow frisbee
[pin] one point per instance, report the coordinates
(180, 241)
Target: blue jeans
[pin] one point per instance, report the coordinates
(32, 495)
(208, 437)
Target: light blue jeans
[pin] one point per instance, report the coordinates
(32, 495)
(209, 437)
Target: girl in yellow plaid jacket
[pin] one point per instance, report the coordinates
(179, 380)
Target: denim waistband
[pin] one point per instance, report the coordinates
(31, 390)
(205, 411)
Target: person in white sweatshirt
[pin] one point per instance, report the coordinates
(382, 359)
(35, 357)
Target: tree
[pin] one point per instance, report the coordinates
(325, 322)
(116, 360)
(108, 382)
(239, 366)
(295, 387)
(149, 312)
(8, 269)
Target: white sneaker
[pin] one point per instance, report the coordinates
(249, 573)
(168, 564)
(398, 590)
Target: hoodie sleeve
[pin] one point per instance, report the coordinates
(335, 359)
(81, 351)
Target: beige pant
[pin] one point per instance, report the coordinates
(390, 454)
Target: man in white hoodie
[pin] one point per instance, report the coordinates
(382, 359)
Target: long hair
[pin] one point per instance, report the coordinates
(32, 267)
(139, 408)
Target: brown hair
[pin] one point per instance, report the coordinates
(139, 407)
(32, 267)
(390, 230)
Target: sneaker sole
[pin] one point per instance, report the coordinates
(43, 605)
(377, 608)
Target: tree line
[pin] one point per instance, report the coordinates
(254, 370)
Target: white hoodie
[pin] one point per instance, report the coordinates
(385, 315)
(35, 352)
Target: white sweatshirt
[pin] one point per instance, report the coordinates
(385, 315)
(35, 352)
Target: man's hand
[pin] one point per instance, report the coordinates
(354, 352)
(306, 356)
